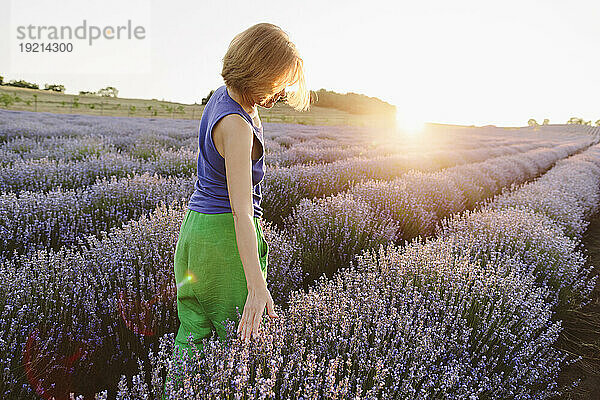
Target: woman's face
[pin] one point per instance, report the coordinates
(271, 100)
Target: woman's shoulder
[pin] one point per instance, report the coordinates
(232, 122)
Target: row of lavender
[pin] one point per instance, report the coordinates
(121, 296)
(472, 313)
(286, 150)
(47, 175)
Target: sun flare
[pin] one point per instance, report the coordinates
(409, 123)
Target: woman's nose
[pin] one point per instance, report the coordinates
(279, 95)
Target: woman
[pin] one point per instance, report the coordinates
(221, 255)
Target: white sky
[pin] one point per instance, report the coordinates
(464, 62)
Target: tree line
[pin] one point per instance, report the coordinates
(108, 91)
(572, 120)
(354, 103)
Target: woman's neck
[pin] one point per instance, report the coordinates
(236, 98)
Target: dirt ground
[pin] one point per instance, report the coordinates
(581, 337)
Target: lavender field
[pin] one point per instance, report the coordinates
(437, 266)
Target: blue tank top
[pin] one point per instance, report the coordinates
(210, 190)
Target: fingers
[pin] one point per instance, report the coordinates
(271, 309)
(247, 321)
(249, 324)
(256, 322)
(240, 325)
(245, 327)
(252, 317)
(243, 323)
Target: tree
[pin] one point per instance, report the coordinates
(6, 99)
(168, 109)
(108, 91)
(205, 99)
(532, 122)
(598, 123)
(1, 79)
(84, 93)
(546, 121)
(22, 84)
(152, 110)
(54, 88)
(575, 120)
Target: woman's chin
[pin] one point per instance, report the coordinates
(268, 105)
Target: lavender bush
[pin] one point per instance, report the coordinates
(60, 217)
(45, 175)
(53, 148)
(285, 273)
(551, 258)
(330, 231)
(568, 193)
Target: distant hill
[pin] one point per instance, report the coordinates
(351, 102)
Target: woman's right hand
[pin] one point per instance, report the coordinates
(258, 297)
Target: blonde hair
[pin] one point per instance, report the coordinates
(260, 62)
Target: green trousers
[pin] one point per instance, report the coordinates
(210, 278)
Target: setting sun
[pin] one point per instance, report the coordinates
(409, 123)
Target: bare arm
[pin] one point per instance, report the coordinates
(237, 139)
